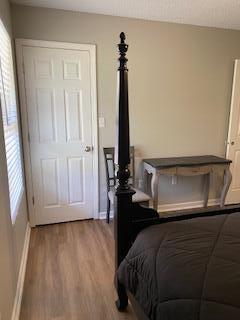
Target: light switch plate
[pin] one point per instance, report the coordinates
(101, 122)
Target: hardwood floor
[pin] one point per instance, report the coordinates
(70, 273)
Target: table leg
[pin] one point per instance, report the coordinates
(154, 184)
(146, 181)
(226, 185)
(206, 189)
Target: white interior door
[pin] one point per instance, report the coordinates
(233, 143)
(59, 111)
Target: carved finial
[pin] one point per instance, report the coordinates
(123, 48)
(122, 37)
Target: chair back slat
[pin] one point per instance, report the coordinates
(110, 167)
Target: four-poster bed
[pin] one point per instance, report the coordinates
(171, 268)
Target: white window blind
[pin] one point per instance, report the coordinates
(10, 122)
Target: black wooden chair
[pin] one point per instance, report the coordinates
(139, 196)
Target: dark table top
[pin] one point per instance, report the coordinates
(185, 161)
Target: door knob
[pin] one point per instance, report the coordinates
(232, 143)
(87, 149)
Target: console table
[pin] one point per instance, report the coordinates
(186, 166)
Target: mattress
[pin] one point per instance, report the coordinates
(188, 269)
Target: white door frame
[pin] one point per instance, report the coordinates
(231, 125)
(91, 48)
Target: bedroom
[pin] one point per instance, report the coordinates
(180, 84)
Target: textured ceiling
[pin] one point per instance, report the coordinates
(213, 13)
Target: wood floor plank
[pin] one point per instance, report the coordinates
(70, 273)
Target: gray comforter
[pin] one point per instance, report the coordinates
(186, 270)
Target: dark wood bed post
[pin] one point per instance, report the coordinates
(124, 193)
(129, 218)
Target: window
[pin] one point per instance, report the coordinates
(10, 122)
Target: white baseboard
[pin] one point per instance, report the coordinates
(174, 206)
(186, 205)
(102, 214)
(21, 276)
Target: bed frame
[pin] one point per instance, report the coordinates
(130, 218)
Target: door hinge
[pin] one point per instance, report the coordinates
(29, 137)
(23, 67)
(33, 200)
